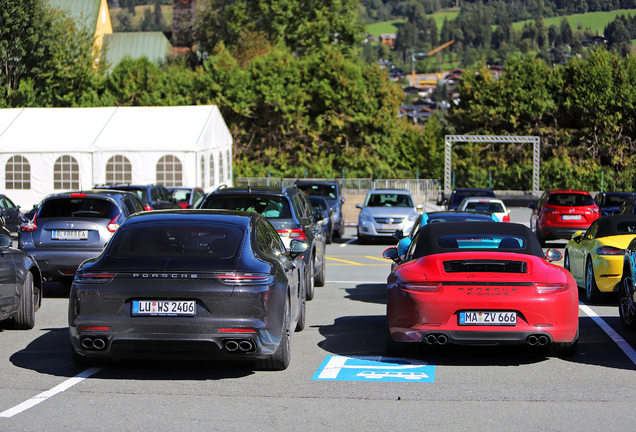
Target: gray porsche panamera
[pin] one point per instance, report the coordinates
(200, 284)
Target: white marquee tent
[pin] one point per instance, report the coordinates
(49, 150)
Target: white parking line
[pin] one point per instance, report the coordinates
(622, 343)
(349, 242)
(49, 393)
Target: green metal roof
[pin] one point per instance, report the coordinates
(81, 11)
(153, 45)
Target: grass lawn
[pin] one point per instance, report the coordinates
(594, 20)
(390, 26)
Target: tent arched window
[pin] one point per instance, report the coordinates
(212, 169)
(17, 173)
(229, 166)
(170, 171)
(202, 172)
(221, 167)
(66, 173)
(118, 170)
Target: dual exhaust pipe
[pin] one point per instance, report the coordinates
(94, 343)
(436, 339)
(538, 340)
(246, 346)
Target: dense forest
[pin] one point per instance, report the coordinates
(299, 98)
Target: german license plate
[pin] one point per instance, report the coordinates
(69, 235)
(164, 307)
(571, 217)
(488, 318)
(390, 226)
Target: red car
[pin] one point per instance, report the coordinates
(475, 283)
(561, 213)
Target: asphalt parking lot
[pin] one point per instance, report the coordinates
(339, 378)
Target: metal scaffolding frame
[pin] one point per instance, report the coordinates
(450, 139)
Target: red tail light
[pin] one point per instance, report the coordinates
(506, 218)
(295, 233)
(609, 250)
(236, 330)
(243, 278)
(422, 286)
(78, 195)
(547, 288)
(31, 225)
(113, 225)
(148, 207)
(97, 328)
(98, 278)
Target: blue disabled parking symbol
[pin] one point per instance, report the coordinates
(376, 368)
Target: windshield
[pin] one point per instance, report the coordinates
(389, 200)
(166, 241)
(478, 241)
(270, 206)
(493, 207)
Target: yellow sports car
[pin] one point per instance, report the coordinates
(595, 258)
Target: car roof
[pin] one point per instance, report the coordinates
(389, 191)
(316, 182)
(90, 192)
(194, 215)
(482, 199)
(566, 191)
(607, 224)
(270, 190)
(473, 190)
(427, 244)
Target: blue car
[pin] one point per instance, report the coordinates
(441, 216)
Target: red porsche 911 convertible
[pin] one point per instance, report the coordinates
(473, 283)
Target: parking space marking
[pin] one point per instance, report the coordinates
(374, 368)
(49, 393)
(384, 260)
(343, 261)
(622, 343)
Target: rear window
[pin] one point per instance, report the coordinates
(485, 207)
(570, 200)
(626, 227)
(389, 200)
(166, 241)
(181, 194)
(459, 196)
(326, 191)
(318, 204)
(478, 241)
(270, 206)
(78, 207)
(462, 218)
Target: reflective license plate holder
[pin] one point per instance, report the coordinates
(488, 318)
(163, 308)
(69, 235)
(571, 217)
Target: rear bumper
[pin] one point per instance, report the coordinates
(558, 232)
(60, 263)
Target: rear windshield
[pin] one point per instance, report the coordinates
(478, 241)
(389, 200)
(78, 207)
(570, 200)
(181, 194)
(318, 204)
(166, 241)
(326, 191)
(270, 206)
(626, 227)
(459, 196)
(493, 207)
(460, 218)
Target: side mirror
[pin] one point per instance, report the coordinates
(578, 236)
(553, 255)
(318, 215)
(342, 199)
(531, 206)
(391, 253)
(297, 247)
(399, 234)
(5, 241)
(359, 206)
(419, 207)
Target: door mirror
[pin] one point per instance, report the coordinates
(297, 247)
(578, 236)
(391, 253)
(553, 255)
(359, 206)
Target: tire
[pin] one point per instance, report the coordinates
(592, 294)
(281, 358)
(565, 349)
(320, 278)
(300, 325)
(361, 240)
(25, 319)
(309, 285)
(566, 261)
(626, 304)
(329, 234)
(80, 360)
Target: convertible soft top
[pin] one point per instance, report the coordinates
(476, 236)
(616, 225)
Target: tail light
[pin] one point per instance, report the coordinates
(31, 225)
(95, 328)
(113, 225)
(547, 288)
(236, 330)
(244, 278)
(78, 195)
(609, 250)
(97, 278)
(422, 286)
(148, 207)
(506, 218)
(295, 233)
